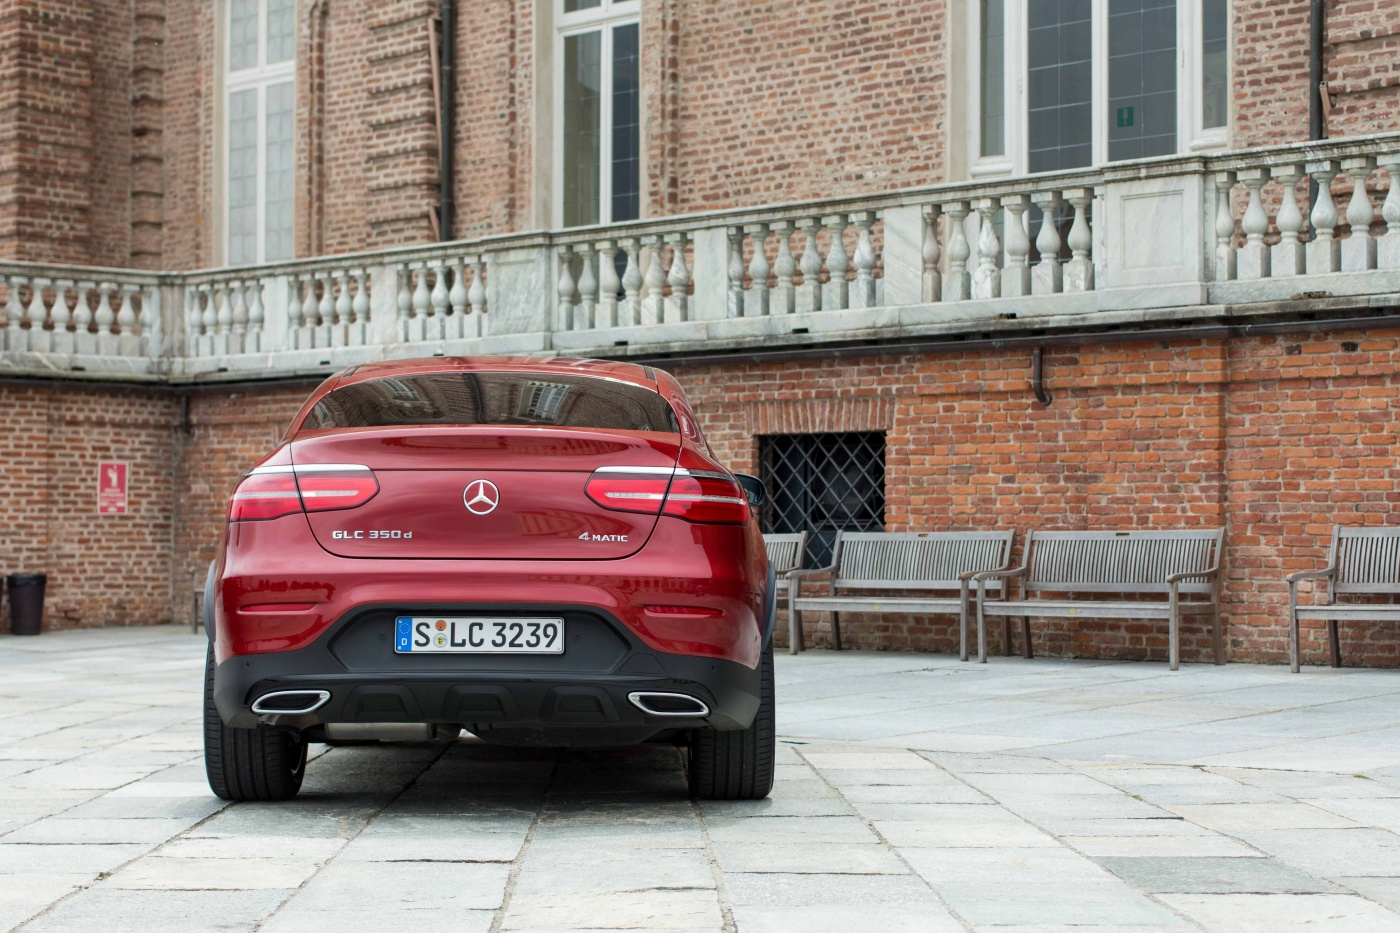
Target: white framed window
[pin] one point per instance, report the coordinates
(597, 112)
(1063, 84)
(259, 85)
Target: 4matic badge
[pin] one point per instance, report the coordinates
(587, 536)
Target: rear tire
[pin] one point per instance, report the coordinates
(738, 765)
(261, 763)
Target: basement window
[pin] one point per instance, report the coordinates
(822, 484)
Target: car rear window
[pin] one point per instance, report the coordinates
(493, 398)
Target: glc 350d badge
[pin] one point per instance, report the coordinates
(620, 594)
(481, 497)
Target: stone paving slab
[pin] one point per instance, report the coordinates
(914, 793)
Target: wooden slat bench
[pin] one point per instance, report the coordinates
(785, 552)
(1362, 562)
(920, 561)
(1166, 563)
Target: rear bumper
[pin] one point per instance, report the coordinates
(578, 697)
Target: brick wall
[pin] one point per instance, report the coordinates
(103, 569)
(1276, 437)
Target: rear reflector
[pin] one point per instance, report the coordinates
(271, 492)
(694, 495)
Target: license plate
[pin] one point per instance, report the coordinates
(477, 635)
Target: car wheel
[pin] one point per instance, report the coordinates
(261, 763)
(738, 765)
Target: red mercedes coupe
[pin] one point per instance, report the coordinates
(540, 552)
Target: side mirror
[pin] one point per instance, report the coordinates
(753, 488)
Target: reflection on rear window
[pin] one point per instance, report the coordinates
(493, 398)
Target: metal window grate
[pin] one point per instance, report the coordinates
(822, 484)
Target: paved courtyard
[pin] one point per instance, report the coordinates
(915, 793)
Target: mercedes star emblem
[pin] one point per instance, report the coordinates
(481, 497)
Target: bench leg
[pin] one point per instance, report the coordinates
(1006, 635)
(962, 631)
(794, 629)
(1293, 638)
(836, 630)
(1026, 637)
(1334, 642)
(981, 631)
(1174, 635)
(1218, 634)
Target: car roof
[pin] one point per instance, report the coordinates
(608, 369)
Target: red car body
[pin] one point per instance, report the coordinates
(350, 525)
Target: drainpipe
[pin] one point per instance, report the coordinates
(446, 118)
(1317, 18)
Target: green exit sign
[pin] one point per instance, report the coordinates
(1125, 116)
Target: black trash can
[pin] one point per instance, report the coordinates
(26, 602)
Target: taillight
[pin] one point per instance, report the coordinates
(694, 495)
(271, 492)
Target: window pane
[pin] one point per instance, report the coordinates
(582, 76)
(626, 126)
(243, 177)
(1059, 46)
(822, 484)
(573, 6)
(281, 30)
(279, 167)
(1215, 30)
(1141, 78)
(243, 34)
(993, 53)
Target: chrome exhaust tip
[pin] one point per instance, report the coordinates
(667, 704)
(291, 702)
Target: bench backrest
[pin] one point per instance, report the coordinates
(916, 560)
(1120, 561)
(785, 552)
(1368, 559)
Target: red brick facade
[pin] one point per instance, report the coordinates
(109, 112)
(1277, 438)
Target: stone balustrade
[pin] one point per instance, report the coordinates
(1130, 243)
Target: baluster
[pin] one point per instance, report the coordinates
(837, 294)
(404, 301)
(631, 285)
(149, 319)
(104, 318)
(296, 315)
(757, 303)
(809, 298)
(477, 296)
(587, 289)
(311, 316)
(238, 316)
(325, 312)
(1388, 250)
(1324, 252)
(126, 314)
(653, 300)
(360, 304)
(1079, 271)
(1047, 278)
(339, 313)
(784, 300)
(223, 316)
(1016, 277)
(457, 297)
(439, 297)
(1288, 256)
(608, 285)
(736, 271)
(84, 340)
(39, 336)
(197, 301)
(1225, 264)
(1253, 257)
(1359, 249)
(566, 288)
(986, 281)
(864, 261)
(422, 303)
(932, 279)
(253, 339)
(958, 286)
(16, 339)
(62, 318)
(678, 305)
